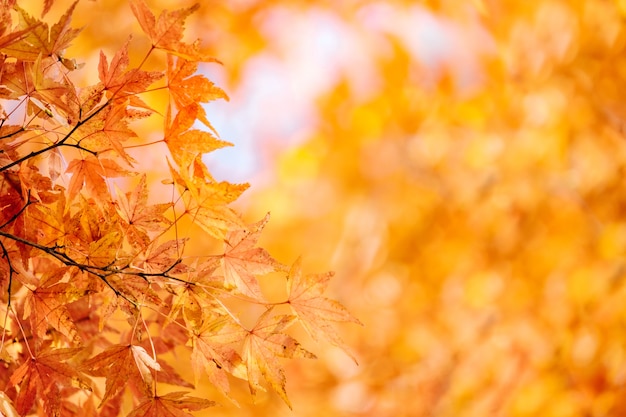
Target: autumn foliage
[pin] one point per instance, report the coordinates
(100, 302)
(472, 194)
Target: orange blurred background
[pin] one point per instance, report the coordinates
(460, 166)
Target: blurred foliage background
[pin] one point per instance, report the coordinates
(460, 166)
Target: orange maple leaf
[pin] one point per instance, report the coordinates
(119, 82)
(206, 202)
(189, 89)
(316, 313)
(212, 354)
(185, 144)
(7, 36)
(42, 376)
(242, 260)
(140, 217)
(106, 131)
(170, 405)
(41, 39)
(121, 365)
(45, 304)
(161, 256)
(197, 297)
(60, 96)
(91, 172)
(263, 345)
(166, 32)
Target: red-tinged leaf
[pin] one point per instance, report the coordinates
(161, 257)
(17, 77)
(91, 172)
(317, 313)
(139, 216)
(242, 260)
(107, 131)
(10, 38)
(61, 96)
(11, 199)
(166, 32)
(135, 288)
(170, 405)
(41, 39)
(263, 346)
(42, 376)
(120, 365)
(44, 305)
(47, 4)
(118, 81)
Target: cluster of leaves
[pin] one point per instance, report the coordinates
(78, 252)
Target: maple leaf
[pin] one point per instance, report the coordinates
(17, 78)
(263, 345)
(121, 365)
(91, 172)
(38, 186)
(210, 210)
(42, 375)
(170, 405)
(166, 32)
(106, 131)
(39, 224)
(187, 145)
(45, 304)
(206, 203)
(316, 313)
(8, 37)
(212, 354)
(160, 257)
(187, 89)
(242, 260)
(101, 252)
(59, 96)
(186, 86)
(41, 39)
(197, 296)
(94, 220)
(121, 83)
(134, 287)
(45, 95)
(138, 215)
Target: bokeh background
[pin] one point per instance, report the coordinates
(460, 165)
